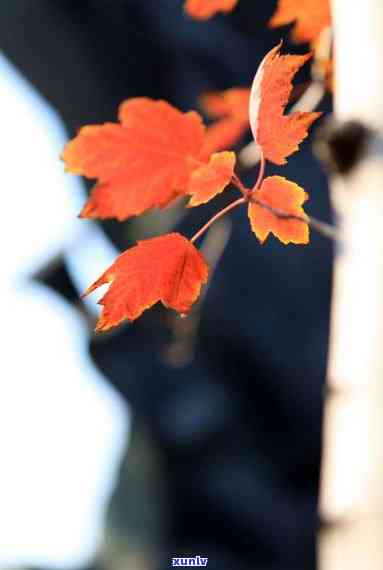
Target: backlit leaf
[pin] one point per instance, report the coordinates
(211, 179)
(285, 197)
(144, 161)
(309, 17)
(167, 268)
(204, 9)
(277, 134)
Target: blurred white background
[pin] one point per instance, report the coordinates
(62, 427)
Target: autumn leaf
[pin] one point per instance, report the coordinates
(211, 179)
(277, 134)
(204, 9)
(283, 196)
(167, 268)
(230, 103)
(144, 161)
(309, 17)
(231, 109)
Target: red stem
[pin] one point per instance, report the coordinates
(248, 196)
(261, 173)
(217, 216)
(246, 193)
(238, 184)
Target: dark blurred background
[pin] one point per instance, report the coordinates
(223, 458)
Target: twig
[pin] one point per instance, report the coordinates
(217, 216)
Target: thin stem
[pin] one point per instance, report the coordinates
(249, 196)
(261, 172)
(323, 228)
(238, 184)
(247, 193)
(217, 216)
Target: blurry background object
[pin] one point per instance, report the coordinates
(62, 427)
(351, 488)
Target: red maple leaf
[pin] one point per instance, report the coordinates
(309, 17)
(167, 268)
(144, 161)
(278, 135)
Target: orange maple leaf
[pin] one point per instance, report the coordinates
(231, 108)
(211, 179)
(230, 103)
(284, 197)
(204, 9)
(277, 134)
(168, 268)
(145, 161)
(310, 17)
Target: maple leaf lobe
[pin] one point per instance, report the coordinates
(212, 178)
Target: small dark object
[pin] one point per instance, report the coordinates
(340, 146)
